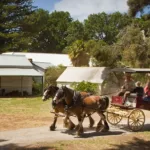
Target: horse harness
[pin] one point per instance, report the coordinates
(76, 100)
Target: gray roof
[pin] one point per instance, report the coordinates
(14, 61)
(54, 59)
(18, 72)
(43, 65)
(79, 74)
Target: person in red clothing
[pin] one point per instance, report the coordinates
(147, 91)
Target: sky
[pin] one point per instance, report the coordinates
(80, 9)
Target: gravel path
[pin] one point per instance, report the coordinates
(25, 137)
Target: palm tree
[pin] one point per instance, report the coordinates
(78, 54)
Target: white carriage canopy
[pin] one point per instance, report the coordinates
(16, 74)
(132, 70)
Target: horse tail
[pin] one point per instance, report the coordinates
(105, 103)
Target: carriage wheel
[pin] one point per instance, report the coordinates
(113, 118)
(136, 120)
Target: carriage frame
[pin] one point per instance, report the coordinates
(134, 114)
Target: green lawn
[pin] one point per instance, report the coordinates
(24, 112)
(24, 105)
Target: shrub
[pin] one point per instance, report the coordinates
(52, 73)
(86, 86)
(37, 88)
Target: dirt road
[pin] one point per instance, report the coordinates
(25, 137)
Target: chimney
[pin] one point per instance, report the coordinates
(30, 59)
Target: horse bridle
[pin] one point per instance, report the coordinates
(57, 100)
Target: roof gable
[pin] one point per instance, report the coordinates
(14, 61)
(54, 59)
(79, 74)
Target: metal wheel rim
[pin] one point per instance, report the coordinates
(113, 118)
(136, 120)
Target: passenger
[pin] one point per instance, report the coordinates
(128, 87)
(147, 92)
(139, 90)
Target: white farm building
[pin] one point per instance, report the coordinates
(45, 59)
(16, 73)
(88, 74)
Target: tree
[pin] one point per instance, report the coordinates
(78, 54)
(105, 27)
(37, 32)
(52, 73)
(136, 6)
(58, 25)
(47, 32)
(12, 14)
(135, 50)
(143, 23)
(102, 54)
(75, 32)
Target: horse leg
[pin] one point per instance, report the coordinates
(80, 126)
(65, 122)
(100, 126)
(52, 126)
(91, 121)
(68, 123)
(71, 125)
(106, 126)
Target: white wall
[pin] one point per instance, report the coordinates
(14, 83)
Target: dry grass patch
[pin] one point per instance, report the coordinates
(136, 141)
(13, 122)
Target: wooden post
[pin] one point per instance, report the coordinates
(21, 86)
(0, 81)
(42, 85)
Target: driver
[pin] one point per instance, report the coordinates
(128, 87)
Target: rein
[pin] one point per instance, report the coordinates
(108, 93)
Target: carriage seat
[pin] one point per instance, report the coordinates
(117, 100)
(132, 95)
(146, 98)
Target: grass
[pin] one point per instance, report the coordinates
(24, 105)
(24, 112)
(18, 113)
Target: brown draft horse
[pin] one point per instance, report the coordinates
(82, 106)
(60, 108)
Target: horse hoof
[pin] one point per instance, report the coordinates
(80, 131)
(65, 125)
(77, 127)
(52, 128)
(79, 134)
(99, 128)
(105, 130)
(91, 125)
(71, 127)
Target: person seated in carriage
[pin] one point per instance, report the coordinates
(147, 92)
(127, 88)
(139, 90)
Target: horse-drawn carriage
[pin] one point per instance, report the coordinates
(82, 107)
(132, 110)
